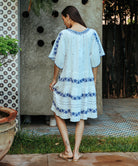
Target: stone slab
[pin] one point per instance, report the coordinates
(88, 159)
(135, 155)
(25, 160)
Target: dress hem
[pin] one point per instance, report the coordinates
(73, 120)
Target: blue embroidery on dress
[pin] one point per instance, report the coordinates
(74, 97)
(69, 79)
(97, 40)
(73, 113)
(56, 45)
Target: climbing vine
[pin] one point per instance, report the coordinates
(38, 5)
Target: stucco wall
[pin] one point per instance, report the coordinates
(36, 67)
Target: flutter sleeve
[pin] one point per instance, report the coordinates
(96, 50)
(57, 53)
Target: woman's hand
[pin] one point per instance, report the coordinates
(52, 84)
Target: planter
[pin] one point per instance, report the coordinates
(7, 129)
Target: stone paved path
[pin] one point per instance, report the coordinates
(88, 159)
(119, 118)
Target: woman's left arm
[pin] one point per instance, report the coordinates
(56, 71)
(95, 74)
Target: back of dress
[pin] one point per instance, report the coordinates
(74, 95)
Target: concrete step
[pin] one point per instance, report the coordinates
(88, 159)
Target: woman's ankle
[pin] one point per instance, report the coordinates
(68, 151)
(75, 151)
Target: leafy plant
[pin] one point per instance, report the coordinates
(37, 5)
(8, 46)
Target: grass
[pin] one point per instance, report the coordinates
(24, 143)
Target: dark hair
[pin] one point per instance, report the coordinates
(73, 14)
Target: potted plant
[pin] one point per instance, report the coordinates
(8, 48)
(7, 129)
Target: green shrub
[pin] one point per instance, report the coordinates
(8, 46)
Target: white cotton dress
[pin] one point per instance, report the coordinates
(76, 53)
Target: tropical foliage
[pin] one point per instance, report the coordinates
(37, 5)
(122, 9)
(8, 46)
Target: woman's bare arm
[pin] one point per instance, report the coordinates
(95, 74)
(56, 71)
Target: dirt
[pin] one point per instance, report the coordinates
(5, 164)
(116, 117)
(3, 114)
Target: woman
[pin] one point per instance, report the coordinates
(77, 52)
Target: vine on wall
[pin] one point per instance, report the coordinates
(38, 5)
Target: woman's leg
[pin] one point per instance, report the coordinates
(78, 137)
(64, 133)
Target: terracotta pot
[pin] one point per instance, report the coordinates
(7, 129)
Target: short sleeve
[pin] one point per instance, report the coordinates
(96, 50)
(57, 53)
